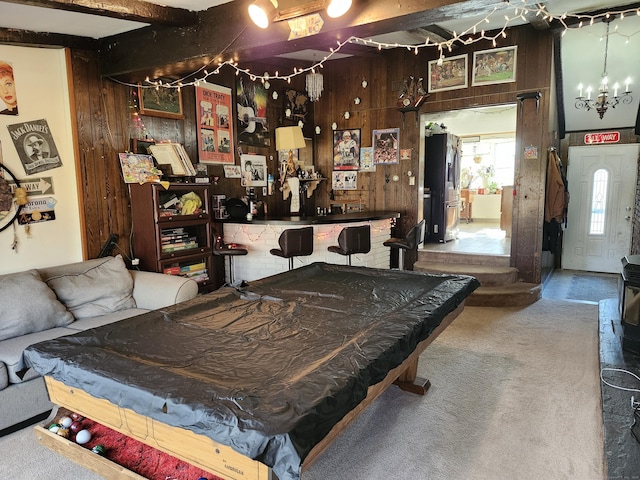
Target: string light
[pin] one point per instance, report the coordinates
(466, 37)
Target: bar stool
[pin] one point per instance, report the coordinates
(353, 240)
(294, 242)
(230, 251)
(414, 238)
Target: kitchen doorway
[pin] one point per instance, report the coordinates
(488, 137)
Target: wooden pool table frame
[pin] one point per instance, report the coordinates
(200, 450)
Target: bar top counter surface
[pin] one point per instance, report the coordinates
(313, 219)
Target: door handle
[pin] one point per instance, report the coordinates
(627, 218)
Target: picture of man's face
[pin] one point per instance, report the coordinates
(34, 146)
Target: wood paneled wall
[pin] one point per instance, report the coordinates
(385, 73)
(104, 109)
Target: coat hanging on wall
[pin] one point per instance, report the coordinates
(556, 203)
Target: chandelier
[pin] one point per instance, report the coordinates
(603, 101)
(315, 85)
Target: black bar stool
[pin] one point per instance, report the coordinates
(230, 251)
(294, 242)
(414, 238)
(353, 240)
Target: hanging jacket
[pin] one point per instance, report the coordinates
(557, 195)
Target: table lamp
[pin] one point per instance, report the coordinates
(289, 138)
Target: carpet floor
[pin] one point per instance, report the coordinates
(515, 394)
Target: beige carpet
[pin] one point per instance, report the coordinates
(515, 395)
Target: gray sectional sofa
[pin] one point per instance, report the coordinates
(42, 304)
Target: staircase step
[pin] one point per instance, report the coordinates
(487, 275)
(517, 295)
(499, 284)
(438, 256)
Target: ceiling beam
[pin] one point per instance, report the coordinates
(27, 38)
(225, 32)
(134, 10)
(536, 21)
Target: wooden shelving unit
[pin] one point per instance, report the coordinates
(171, 238)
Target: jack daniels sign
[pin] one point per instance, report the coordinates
(35, 146)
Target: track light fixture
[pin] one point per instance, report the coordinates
(337, 8)
(263, 12)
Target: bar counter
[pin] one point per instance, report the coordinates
(292, 221)
(261, 234)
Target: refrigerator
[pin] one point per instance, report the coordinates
(441, 202)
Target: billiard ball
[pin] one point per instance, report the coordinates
(75, 427)
(83, 436)
(99, 449)
(65, 422)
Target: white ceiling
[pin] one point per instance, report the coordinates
(582, 50)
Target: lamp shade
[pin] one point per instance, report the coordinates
(337, 8)
(262, 12)
(289, 138)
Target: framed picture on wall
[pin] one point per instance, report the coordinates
(449, 74)
(160, 102)
(346, 149)
(385, 146)
(254, 170)
(497, 65)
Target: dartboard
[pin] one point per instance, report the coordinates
(9, 209)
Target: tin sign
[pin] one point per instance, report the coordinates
(604, 137)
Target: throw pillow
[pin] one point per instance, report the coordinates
(99, 290)
(28, 305)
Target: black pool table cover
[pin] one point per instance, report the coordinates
(267, 369)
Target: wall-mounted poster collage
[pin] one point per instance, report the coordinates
(350, 157)
(215, 132)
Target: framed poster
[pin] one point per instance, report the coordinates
(251, 102)
(451, 74)
(9, 105)
(344, 180)
(34, 142)
(385, 146)
(254, 170)
(346, 149)
(497, 65)
(232, 171)
(296, 108)
(215, 130)
(366, 160)
(160, 102)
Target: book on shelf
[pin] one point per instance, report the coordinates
(178, 237)
(171, 271)
(174, 247)
(193, 267)
(200, 276)
(174, 155)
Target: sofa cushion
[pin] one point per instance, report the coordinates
(102, 288)
(4, 376)
(28, 305)
(11, 352)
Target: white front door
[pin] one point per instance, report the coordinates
(602, 181)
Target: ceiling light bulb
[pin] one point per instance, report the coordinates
(259, 16)
(337, 8)
(262, 12)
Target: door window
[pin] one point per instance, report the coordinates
(598, 202)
